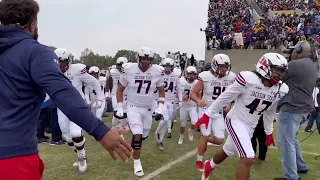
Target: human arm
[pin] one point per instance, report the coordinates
(229, 95)
(89, 80)
(50, 78)
(196, 90)
(179, 90)
(87, 95)
(109, 86)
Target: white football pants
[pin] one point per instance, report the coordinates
(186, 112)
(68, 128)
(167, 120)
(139, 120)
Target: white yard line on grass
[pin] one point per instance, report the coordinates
(170, 164)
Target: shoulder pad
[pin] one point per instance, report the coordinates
(78, 68)
(247, 77)
(232, 75)
(203, 76)
(158, 69)
(125, 67)
(102, 78)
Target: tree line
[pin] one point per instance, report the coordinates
(90, 58)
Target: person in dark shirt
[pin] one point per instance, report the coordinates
(29, 70)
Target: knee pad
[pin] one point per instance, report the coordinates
(79, 141)
(136, 142)
(123, 117)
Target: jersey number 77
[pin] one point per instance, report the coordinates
(141, 83)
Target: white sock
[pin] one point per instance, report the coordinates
(199, 158)
(181, 136)
(212, 163)
(81, 152)
(169, 130)
(136, 162)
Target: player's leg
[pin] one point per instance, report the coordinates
(175, 111)
(169, 122)
(64, 123)
(218, 129)
(114, 118)
(136, 127)
(162, 128)
(228, 150)
(241, 136)
(193, 114)
(202, 144)
(99, 112)
(183, 118)
(79, 141)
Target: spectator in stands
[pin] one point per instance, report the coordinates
(294, 108)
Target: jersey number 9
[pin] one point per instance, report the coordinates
(217, 91)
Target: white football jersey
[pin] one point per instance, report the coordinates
(91, 93)
(214, 86)
(186, 88)
(115, 74)
(140, 86)
(172, 85)
(77, 74)
(252, 99)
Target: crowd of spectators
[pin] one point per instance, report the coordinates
(231, 26)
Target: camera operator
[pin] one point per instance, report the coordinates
(294, 108)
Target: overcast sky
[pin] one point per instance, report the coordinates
(106, 26)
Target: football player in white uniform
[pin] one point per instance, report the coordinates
(189, 108)
(97, 107)
(176, 103)
(255, 93)
(171, 80)
(212, 83)
(77, 74)
(112, 84)
(140, 81)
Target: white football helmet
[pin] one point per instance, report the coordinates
(168, 65)
(94, 69)
(122, 60)
(269, 61)
(191, 73)
(145, 58)
(65, 58)
(219, 60)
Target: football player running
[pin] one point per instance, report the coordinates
(189, 108)
(112, 84)
(78, 76)
(171, 80)
(255, 93)
(212, 83)
(140, 81)
(91, 95)
(176, 104)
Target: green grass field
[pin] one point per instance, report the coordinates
(59, 159)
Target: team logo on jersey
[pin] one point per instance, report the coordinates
(121, 70)
(162, 73)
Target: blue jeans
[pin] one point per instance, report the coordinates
(314, 116)
(55, 128)
(291, 156)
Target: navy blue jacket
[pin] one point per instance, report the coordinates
(28, 70)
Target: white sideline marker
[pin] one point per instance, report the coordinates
(170, 164)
